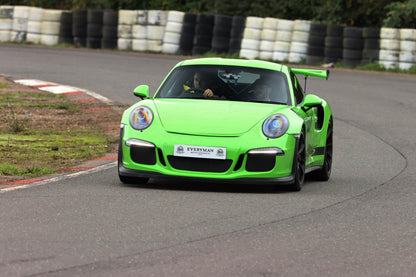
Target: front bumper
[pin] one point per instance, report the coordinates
(155, 158)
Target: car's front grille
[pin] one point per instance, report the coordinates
(198, 164)
(143, 155)
(258, 162)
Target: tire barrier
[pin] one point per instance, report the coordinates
(6, 22)
(371, 47)
(238, 25)
(34, 25)
(299, 43)
(51, 22)
(126, 19)
(94, 28)
(185, 22)
(20, 20)
(203, 34)
(353, 44)
(333, 43)
(250, 44)
(268, 38)
(79, 27)
(281, 48)
(65, 30)
(174, 32)
(389, 47)
(407, 57)
(156, 23)
(316, 44)
(221, 34)
(109, 32)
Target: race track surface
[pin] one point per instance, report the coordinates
(361, 222)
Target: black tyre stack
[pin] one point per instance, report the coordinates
(110, 23)
(333, 43)
(203, 34)
(236, 34)
(221, 34)
(353, 44)
(94, 28)
(79, 27)
(186, 42)
(316, 41)
(371, 45)
(65, 28)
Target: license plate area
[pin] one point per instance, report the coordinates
(204, 152)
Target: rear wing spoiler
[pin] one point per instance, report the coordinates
(322, 73)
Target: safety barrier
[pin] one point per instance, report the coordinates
(174, 32)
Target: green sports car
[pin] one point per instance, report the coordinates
(245, 121)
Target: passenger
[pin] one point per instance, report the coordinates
(262, 90)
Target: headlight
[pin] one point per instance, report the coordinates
(141, 118)
(275, 126)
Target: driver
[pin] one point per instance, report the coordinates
(202, 82)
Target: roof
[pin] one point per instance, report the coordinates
(234, 62)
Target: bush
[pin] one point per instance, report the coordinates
(401, 14)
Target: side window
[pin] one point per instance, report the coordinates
(297, 89)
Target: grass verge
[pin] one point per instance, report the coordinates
(43, 133)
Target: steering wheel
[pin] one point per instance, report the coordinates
(196, 92)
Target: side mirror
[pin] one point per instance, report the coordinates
(311, 101)
(142, 91)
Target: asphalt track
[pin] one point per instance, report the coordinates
(360, 223)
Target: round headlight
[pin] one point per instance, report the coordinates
(275, 126)
(141, 117)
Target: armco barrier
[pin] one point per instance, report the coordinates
(174, 32)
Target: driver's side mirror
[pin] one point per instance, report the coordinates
(142, 91)
(311, 101)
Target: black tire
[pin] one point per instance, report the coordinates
(66, 18)
(369, 32)
(372, 43)
(351, 62)
(334, 30)
(370, 54)
(334, 42)
(93, 43)
(238, 21)
(95, 17)
(110, 18)
(299, 161)
(333, 53)
(316, 50)
(318, 29)
(353, 32)
(324, 173)
(189, 18)
(109, 43)
(352, 54)
(314, 60)
(353, 43)
(65, 30)
(110, 32)
(200, 50)
(94, 30)
(66, 40)
(205, 19)
(316, 40)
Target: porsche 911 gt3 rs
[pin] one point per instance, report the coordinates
(232, 120)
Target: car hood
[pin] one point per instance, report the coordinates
(212, 117)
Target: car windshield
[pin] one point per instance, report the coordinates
(233, 83)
